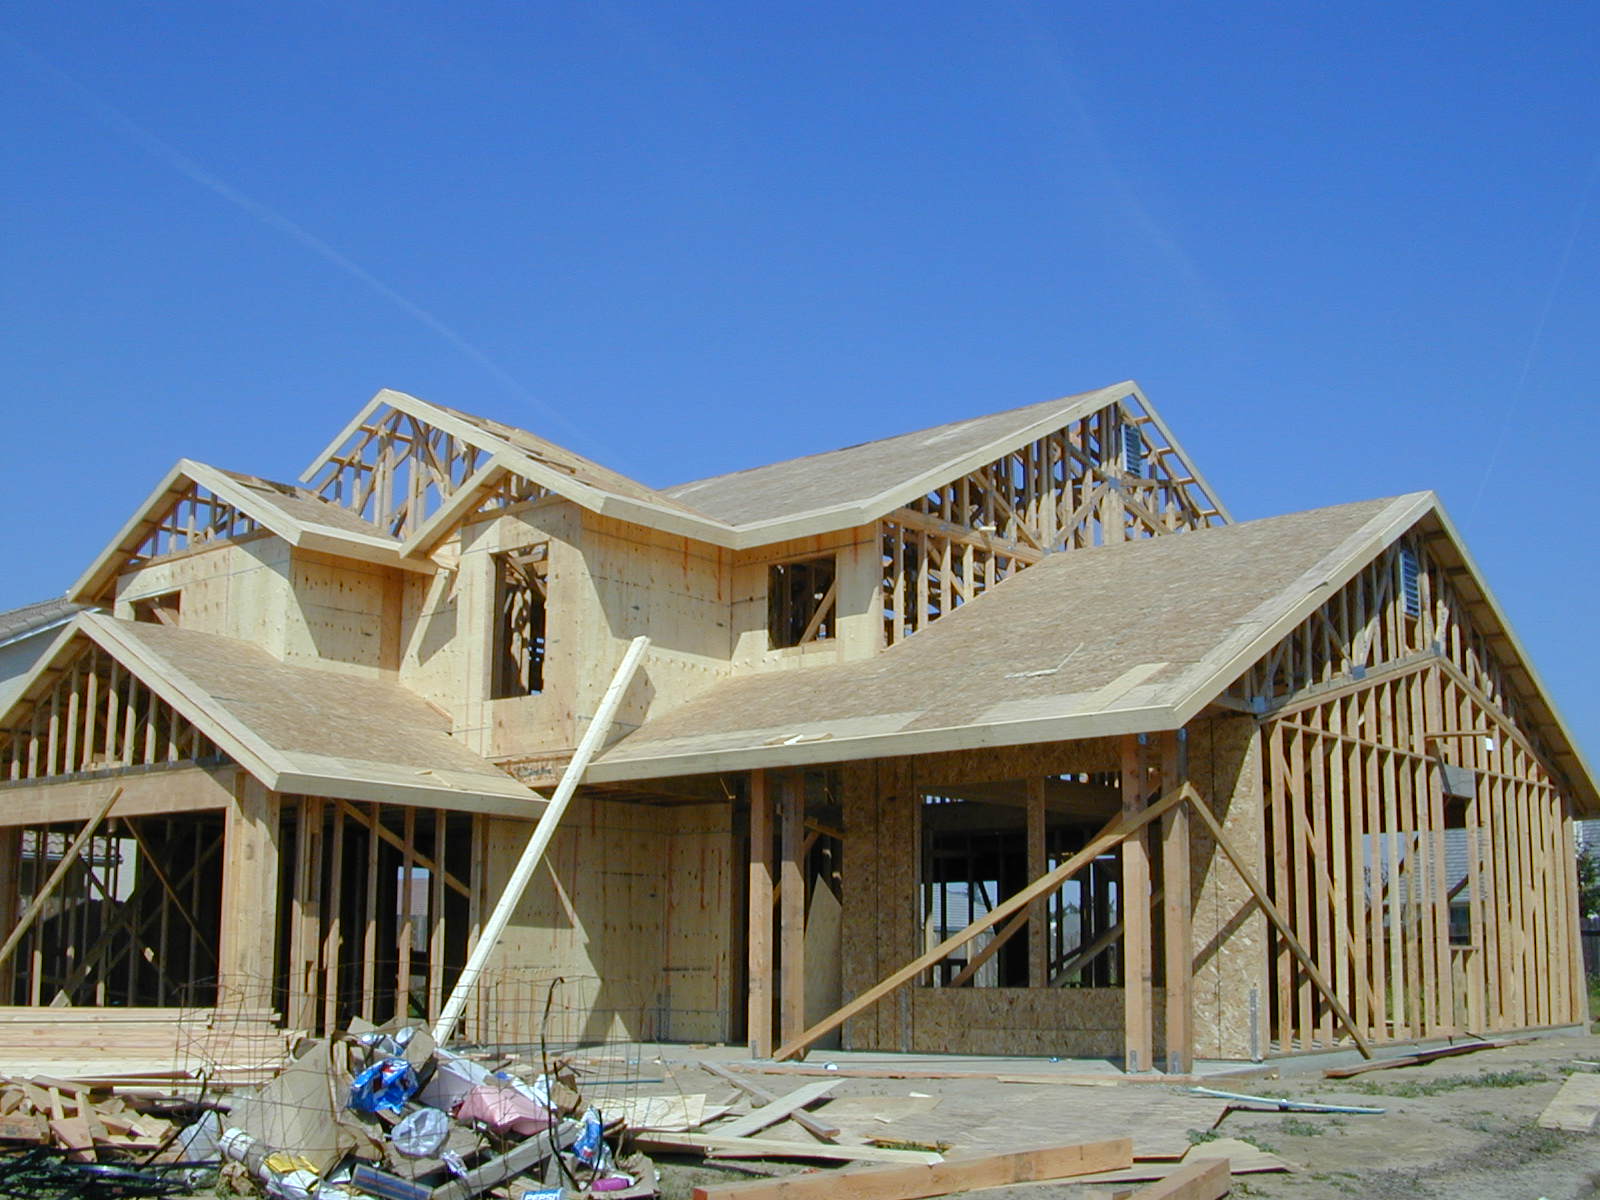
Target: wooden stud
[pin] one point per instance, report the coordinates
(759, 1015)
(792, 923)
(1176, 924)
(1134, 897)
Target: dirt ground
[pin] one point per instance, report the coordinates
(1464, 1128)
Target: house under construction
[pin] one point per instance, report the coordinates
(998, 737)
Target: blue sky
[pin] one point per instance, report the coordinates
(1348, 250)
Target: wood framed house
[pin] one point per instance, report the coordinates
(998, 737)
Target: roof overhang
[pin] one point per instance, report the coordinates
(280, 770)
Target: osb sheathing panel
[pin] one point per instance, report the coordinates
(238, 589)
(858, 798)
(1229, 931)
(1014, 762)
(345, 615)
(752, 572)
(1077, 1022)
(631, 905)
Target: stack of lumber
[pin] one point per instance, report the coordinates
(48, 1111)
(133, 1045)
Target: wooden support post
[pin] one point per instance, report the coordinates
(1175, 910)
(792, 919)
(759, 1019)
(1038, 911)
(1134, 897)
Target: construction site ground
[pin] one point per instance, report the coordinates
(1463, 1127)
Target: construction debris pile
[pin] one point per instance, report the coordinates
(386, 1113)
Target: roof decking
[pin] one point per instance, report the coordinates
(302, 729)
(1127, 638)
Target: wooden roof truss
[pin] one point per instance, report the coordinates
(199, 517)
(395, 469)
(1109, 476)
(89, 713)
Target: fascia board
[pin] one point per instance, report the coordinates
(452, 512)
(1183, 455)
(825, 749)
(342, 545)
(360, 783)
(194, 702)
(1218, 669)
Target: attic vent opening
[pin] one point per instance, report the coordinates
(521, 592)
(801, 604)
(1410, 582)
(1132, 450)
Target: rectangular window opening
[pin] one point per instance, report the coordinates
(1411, 582)
(801, 602)
(521, 590)
(163, 609)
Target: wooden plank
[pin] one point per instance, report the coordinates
(934, 1179)
(1110, 836)
(761, 1095)
(792, 905)
(1273, 915)
(776, 1110)
(759, 1015)
(1206, 1180)
(1134, 897)
(1576, 1107)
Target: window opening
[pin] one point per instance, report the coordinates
(1411, 582)
(801, 602)
(159, 610)
(521, 591)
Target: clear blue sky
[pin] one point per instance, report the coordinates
(1349, 250)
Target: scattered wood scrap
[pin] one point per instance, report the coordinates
(761, 1095)
(934, 1179)
(1420, 1057)
(777, 1110)
(1202, 1181)
(1576, 1107)
(1243, 1159)
(45, 1110)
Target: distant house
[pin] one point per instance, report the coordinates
(24, 633)
(1091, 767)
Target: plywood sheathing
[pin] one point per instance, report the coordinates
(1229, 931)
(631, 905)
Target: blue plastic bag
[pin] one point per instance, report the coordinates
(387, 1084)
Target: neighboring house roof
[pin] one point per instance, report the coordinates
(863, 482)
(1126, 638)
(302, 729)
(300, 517)
(801, 497)
(33, 619)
